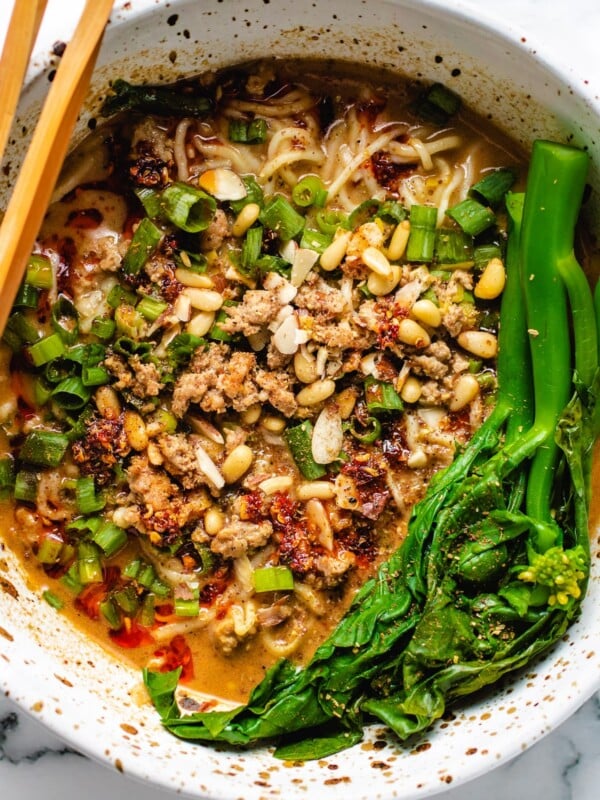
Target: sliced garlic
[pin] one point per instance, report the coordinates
(328, 435)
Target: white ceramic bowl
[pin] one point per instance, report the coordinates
(77, 689)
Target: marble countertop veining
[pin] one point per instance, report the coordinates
(565, 764)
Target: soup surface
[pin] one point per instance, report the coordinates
(261, 314)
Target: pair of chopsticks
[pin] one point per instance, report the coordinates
(40, 169)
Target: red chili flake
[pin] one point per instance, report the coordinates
(85, 218)
(252, 507)
(93, 594)
(367, 110)
(215, 588)
(131, 635)
(387, 172)
(369, 479)
(176, 654)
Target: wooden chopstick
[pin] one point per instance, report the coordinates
(46, 153)
(21, 34)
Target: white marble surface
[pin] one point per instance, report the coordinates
(566, 764)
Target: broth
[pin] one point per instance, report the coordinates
(192, 425)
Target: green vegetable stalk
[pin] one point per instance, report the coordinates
(495, 563)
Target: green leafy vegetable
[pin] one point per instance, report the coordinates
(154, 100)
(496, 559)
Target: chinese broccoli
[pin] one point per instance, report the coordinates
(496, 560)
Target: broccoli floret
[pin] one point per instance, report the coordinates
(560, 571)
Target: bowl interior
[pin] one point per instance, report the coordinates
(80, 691)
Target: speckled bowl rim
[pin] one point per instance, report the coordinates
(53, 675)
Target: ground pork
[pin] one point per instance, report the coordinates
(164, 508)
(315, 294)
(239, 537)
(277, 390)
(257, 309)
(149, 137)
(218, 230)
(150, 486)
(341, 334)
(180, 459)
(428, 365)
(459, 317)
(330, 570)
(141, 379)
(219, 379)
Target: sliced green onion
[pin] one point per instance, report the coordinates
(89, 563)
(437, 104)
(253, 132)
(381, 397)
(315, 240)
(329, 220)
(111, 614)
(182, 347)
(251, 248)
(299, 440)
(216, 332)
(364, 212)
(128, 320)
(186, 207)
(50, 549)
(151, 308)
(187, 607)
(483, 254)
(491, 189)
(7, 473)
(58, 369)
(370, 433)
(146, 576)
(84, 525)
(269, 263)
(44, 448)
(309, 192)
(103, 328)
(119, 294)
(65, 319)
(39, 272)
(147, 612)
(452, 246)
(131, 569)
(27, 296)
(144, 242)
(472, 216)
(166, 420)
(280, 216)
(161, 588)
(127, 347)
(254, 194)
(194, 262)
(86, 499)
(26, 486)
(53, 599)
(392, 210)
(71, 394)
(46, 349)
(70, 579)
(127, 599)
(273, 579)
(19, 331)
(110, 538)
(150, 199)
(421, 240)
(94, 376)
